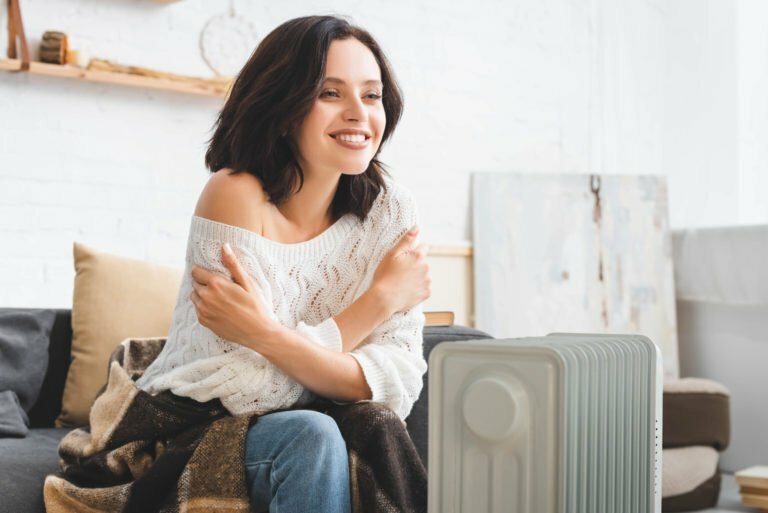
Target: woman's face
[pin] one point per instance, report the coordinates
(343, 130)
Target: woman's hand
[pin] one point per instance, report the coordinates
(232, 309)
(402, 278)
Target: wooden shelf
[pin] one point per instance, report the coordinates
(450, 251)
(199, 86)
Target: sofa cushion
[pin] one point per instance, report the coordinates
(690, 478)
(23, 466)
(418, 420)
(13, 419)
(48, 405)
(696, 412)
(114, 298)
(24, 336)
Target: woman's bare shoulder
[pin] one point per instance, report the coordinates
(234, 199)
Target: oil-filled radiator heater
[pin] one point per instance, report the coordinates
(567, 423)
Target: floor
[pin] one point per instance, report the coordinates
(729, 498)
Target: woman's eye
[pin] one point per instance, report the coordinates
(332, 93)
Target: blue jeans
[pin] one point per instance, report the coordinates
(295, 462)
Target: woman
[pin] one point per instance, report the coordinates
(305, 277)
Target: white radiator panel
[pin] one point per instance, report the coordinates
(563, 423)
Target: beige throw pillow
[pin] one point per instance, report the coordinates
(114, 298)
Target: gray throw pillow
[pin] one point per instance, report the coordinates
(13, 419)
(24, 338)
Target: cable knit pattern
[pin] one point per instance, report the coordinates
(305, 285)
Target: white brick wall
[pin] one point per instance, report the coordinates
(529, 85)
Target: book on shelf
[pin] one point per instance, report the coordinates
(755, 501)
(753, 478)
(753, 486)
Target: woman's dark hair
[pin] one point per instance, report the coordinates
(272, 95)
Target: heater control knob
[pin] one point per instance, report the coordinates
(490, 407)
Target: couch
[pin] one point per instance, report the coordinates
(721, 284)
(25, 461)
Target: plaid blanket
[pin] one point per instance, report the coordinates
(165, 453)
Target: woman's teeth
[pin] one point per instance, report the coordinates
(351, 138)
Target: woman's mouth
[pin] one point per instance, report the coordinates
(352, 141)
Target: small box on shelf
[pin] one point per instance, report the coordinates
(439, 318)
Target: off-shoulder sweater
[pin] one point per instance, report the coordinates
(304, 286)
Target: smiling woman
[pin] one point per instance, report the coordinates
(304, 279)
(349, 114)
(303, 74)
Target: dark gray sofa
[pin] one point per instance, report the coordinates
(24, 462)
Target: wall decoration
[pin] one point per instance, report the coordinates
(226, 42)
(574, 253)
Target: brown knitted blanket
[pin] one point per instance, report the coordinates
(144, 453)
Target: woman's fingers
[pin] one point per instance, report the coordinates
(204, 277)
(233, 264)
(201, 276)
(421, 250)
(197, 301)
(202, 315)
(406, 241)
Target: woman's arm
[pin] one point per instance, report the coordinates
(233, 310)
(401, 280)
(326, 372)
(361, 318)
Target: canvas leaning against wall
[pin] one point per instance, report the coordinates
(574, 253)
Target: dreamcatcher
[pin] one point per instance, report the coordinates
(227, 41)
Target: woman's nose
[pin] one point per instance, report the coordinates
(355, 111)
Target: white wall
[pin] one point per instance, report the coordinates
(716, 125)
(753, 111)
(701, 142)
(571, 86)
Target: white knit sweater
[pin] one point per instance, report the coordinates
(304, 285)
